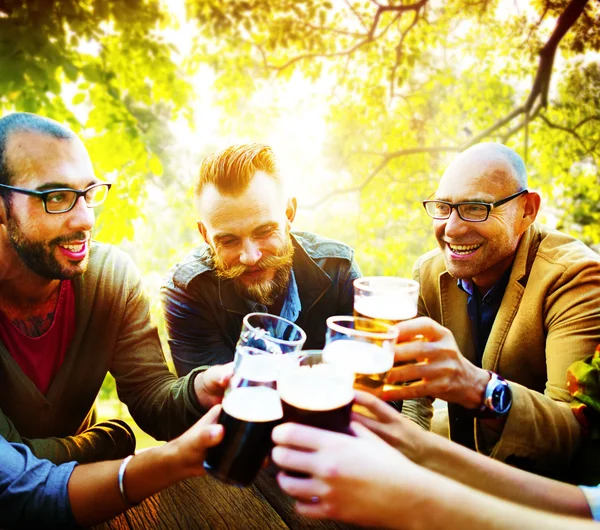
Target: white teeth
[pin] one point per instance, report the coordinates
(463, 249)
(73, 248)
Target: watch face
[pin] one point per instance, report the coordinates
(501, 399)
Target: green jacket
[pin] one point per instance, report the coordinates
(114, 334)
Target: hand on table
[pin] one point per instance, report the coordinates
(442, 370)
(354, 479)
(210, 385)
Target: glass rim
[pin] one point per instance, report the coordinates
(390, 334)
(276, 340)
(358, 283)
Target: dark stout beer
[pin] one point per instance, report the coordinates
(249, 415)
(320, 396)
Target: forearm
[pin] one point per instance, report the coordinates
(147, 473)
(104, 441)
(501, 480)
(442, 503)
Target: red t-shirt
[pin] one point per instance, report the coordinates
(41, 357)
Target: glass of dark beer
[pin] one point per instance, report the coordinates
(271, 333)
(315, 393)
(251, 409)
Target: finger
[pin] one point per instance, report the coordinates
(413, 391)
(425, 326)
(301, 488)
(380, 409)
(304, 437)
(415, 351)
(415, 372)
(320, 510)
(227, 373)
(295, 460)
(362, 432)
(211, 416)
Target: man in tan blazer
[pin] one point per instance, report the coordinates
(510, 305)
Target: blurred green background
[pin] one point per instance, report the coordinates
(365, 103)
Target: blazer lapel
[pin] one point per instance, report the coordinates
(455, 316)
(512, 298)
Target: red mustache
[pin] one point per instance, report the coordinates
(270, 262)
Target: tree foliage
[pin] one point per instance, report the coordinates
(416, 82)
(102, 67)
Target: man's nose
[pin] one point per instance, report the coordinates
(250, 253)
(455, 226)
(81, 217)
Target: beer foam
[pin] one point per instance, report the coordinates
(360, 357)
(253, 404)
(318, 387)
(386, 307)
(261, 368)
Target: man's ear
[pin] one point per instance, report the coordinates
(290, 210)
(202, 230)
(531, 207)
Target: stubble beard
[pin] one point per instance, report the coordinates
(39, 256)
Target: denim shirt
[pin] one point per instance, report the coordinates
(33, 492)
(291, 305)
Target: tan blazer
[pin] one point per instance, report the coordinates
(549, 317)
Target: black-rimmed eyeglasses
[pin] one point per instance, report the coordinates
(62, 200)
(473, 211)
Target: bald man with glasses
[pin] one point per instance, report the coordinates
(72, 310)
(507, 306)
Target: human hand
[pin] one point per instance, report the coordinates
(190, 448)
(354, 479)
(210, 385)
(441, 370)
(395, 429)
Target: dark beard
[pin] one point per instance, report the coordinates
(38, 256)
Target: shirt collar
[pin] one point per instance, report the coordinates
(497, 290)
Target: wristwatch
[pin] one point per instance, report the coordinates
(497, 398)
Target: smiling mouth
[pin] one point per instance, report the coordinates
(74, 247)
(462, 250)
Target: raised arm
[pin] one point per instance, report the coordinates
(469, 467)
(362, 480)
(37, 494)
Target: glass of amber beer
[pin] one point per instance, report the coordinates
(271, 333)
(363, 346)
(251, 409)
(387, 299)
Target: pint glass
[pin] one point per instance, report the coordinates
(387, 299)
(251, 409)
(271, 333)
(315, 393)
(363, 346)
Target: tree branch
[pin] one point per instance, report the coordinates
(541, 83)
